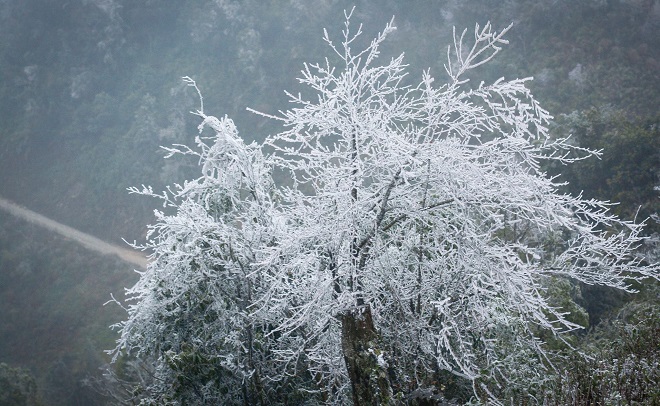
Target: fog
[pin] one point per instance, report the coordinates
(90, 89)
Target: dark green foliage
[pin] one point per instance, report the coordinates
(623, 364)
(629, 168)
(17, 387)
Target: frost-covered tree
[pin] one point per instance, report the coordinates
(414, 244)
(193, 305)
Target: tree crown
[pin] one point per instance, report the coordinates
(423, 209)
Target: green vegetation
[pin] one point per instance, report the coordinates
(622, 366)
(17, 387)
(53, 322)
(628, 169)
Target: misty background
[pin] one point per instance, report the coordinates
(89, 90)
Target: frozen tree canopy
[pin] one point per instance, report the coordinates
(415, 243)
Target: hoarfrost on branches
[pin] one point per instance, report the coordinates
(191, 310)
(422, 209)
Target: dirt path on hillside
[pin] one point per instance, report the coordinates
(84, 239)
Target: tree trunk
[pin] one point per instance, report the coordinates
(361, 348)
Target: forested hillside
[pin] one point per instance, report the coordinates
(90, 90)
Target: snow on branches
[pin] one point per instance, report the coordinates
(421, 209)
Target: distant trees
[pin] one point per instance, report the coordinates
(628, 171)
(407, 261)
(17, 387)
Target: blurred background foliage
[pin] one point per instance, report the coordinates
(89, 90)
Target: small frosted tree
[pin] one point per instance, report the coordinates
(415, 242)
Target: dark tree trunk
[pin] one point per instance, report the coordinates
(360, 346)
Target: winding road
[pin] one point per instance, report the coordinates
(84, 239)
